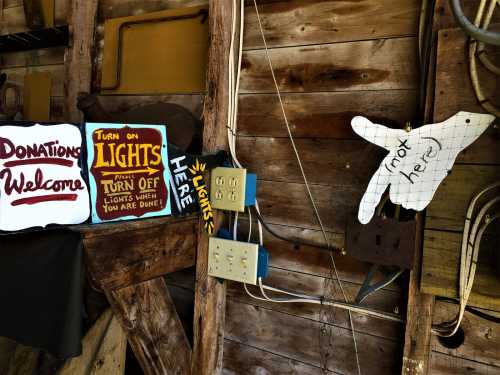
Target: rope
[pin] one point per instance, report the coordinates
(299, 161)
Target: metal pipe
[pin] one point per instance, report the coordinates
(485, 36)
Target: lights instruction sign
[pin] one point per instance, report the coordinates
(128, 171)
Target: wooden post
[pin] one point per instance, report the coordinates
(418, 317)
(78, 57)
(210, 294)
(155, 333)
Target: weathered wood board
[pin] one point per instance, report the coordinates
(441, 269)
(242, 359)
(363, 65)
(476, 168)
(303, 22)
(155, 333)
(482, 338)
(154, 247)
(325, 115)
(314, 285)
(297, 338)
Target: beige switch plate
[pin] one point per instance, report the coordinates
(227, 188)
(233, 260)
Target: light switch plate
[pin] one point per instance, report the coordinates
(227, 188)
(233, 260)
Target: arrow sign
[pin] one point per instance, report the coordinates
(148, 170)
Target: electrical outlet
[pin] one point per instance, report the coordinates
(233, 260)
(227, 188)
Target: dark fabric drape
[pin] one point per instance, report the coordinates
(41, 290)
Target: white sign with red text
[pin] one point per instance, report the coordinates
(40, 177)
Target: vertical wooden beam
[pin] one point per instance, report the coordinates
(210, 294)
(418, 316)
(78, 57)
(155, 333)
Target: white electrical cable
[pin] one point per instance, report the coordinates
(311, 198)
(469, 256)
(234, 86)
(319, 301)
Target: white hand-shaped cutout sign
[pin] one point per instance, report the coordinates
(418, 160)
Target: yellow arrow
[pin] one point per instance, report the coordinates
(148, 170)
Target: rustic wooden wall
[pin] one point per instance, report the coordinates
(333, 60)
(475, 168)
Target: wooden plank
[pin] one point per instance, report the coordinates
(78, 58)
(7, 350)
(323, 115)
(110, 359)
(287, 203)
(303, 22)
(441, 269)
(482, 338)
(366, 65)
(297, 338)
(331, 162)
(449, 205)
(124, 8)
(315, 22)
(241, 359)
(210, 293)
(418, 316)
(91, 344)
(444, 365)
(45, 56)
(147, 314)
(454, 93)
(313, 285)
(151, 251)
(24, 361)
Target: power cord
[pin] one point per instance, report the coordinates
(294, 241)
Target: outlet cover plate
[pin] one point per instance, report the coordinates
(227, 189)
(233, 260)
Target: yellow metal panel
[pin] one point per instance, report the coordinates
(156, 57)
(37, 86)
(48, 12)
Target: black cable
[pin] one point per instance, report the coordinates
(295, 241)
(472, 310)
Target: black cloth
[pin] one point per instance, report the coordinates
(41, 290)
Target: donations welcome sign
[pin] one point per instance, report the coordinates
(128, 171)
(40, 176)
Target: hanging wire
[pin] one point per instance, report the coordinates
(299, 162)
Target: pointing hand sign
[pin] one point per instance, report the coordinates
(418, 160)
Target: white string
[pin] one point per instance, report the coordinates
(311, 198)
